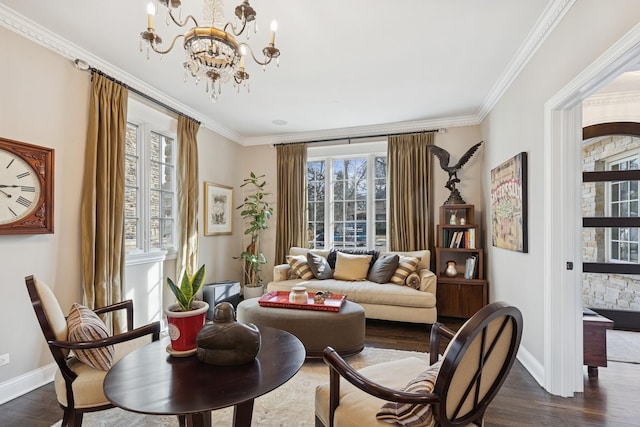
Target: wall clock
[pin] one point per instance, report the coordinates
(26, 188)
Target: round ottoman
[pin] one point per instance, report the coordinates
(342, 330)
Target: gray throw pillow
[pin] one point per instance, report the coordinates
(319, 266)
(383, 269)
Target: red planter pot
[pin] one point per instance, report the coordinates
(185, 325)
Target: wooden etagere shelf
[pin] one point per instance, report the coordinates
(458, 241)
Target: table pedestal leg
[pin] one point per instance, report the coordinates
(242, 413)
(200, 419)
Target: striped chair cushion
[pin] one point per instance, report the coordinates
(406, 414)
(300, 266)
(84, 325)
(406, 266)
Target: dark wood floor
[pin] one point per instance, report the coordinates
(609, 400)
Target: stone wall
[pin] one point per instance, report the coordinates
(612, 291)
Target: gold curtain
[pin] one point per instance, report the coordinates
(291, 206)
(187, 196)
(410, 205)
(102, 210)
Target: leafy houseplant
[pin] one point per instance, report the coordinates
(255, 213)
(187, 316)
(189, 287)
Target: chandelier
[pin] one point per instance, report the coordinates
(211, 50)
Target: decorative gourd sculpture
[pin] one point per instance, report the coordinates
(225, 341)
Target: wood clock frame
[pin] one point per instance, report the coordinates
(41, 160)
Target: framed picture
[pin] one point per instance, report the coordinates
(509, 204)
(218, 206)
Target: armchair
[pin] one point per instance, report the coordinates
(454, 391)
(79, 386)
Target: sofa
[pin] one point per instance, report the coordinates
(413, 300)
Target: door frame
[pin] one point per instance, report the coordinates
(562, 233)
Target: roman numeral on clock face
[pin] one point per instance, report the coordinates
(24, 202)
(12, 212)
(24, 175)
(28, 189)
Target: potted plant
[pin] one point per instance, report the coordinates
(187, 316)
(255, 212)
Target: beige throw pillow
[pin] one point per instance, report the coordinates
(351, 267)
(84, 325)
(299, 266)
(406, 266)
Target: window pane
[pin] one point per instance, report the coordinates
(167, 233)
(131, 140)
(615, 188)
(154, 205)
(130, 233)
(154, 234)
(167, 205)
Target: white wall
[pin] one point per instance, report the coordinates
(517, 124)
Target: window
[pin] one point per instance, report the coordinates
(347, 201)
(150, 189)
(623, 242)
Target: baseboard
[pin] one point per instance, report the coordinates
(532, 365)
(23, 384)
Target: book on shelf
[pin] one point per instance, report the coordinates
(471, 267)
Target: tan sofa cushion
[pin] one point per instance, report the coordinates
(351, 267)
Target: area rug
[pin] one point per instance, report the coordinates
(623, 346)
(290, 405)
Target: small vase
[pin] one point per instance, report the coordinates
(451, 270)
(298, 295)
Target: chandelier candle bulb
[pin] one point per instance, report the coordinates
(274, 28)
(151, 10)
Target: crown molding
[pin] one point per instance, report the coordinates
(362, 131)
(42, 36)
(550, 18)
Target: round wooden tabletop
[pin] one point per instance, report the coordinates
(150, 381)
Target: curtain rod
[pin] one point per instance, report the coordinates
(349, 138)
(134, 90)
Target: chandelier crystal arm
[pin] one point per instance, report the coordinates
(162, 52)
(263, 63)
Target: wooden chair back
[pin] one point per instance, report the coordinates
(476, 363)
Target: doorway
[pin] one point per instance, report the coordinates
(562, 283)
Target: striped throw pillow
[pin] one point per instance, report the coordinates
(408, 414)
(84, 325)
(406, 266)
(300, 266)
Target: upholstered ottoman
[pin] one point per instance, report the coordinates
(342, 330)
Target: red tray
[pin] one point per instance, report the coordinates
(281, 299)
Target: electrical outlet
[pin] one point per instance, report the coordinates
(4, 359)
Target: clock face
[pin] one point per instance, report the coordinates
(19, 188)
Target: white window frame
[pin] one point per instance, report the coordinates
(328, 154)
(149, 119)
(613, 160)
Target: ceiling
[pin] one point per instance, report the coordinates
(347, 68)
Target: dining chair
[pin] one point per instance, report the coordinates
(78, 385)
(454, 389)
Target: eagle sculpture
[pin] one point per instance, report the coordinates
(452, 170)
